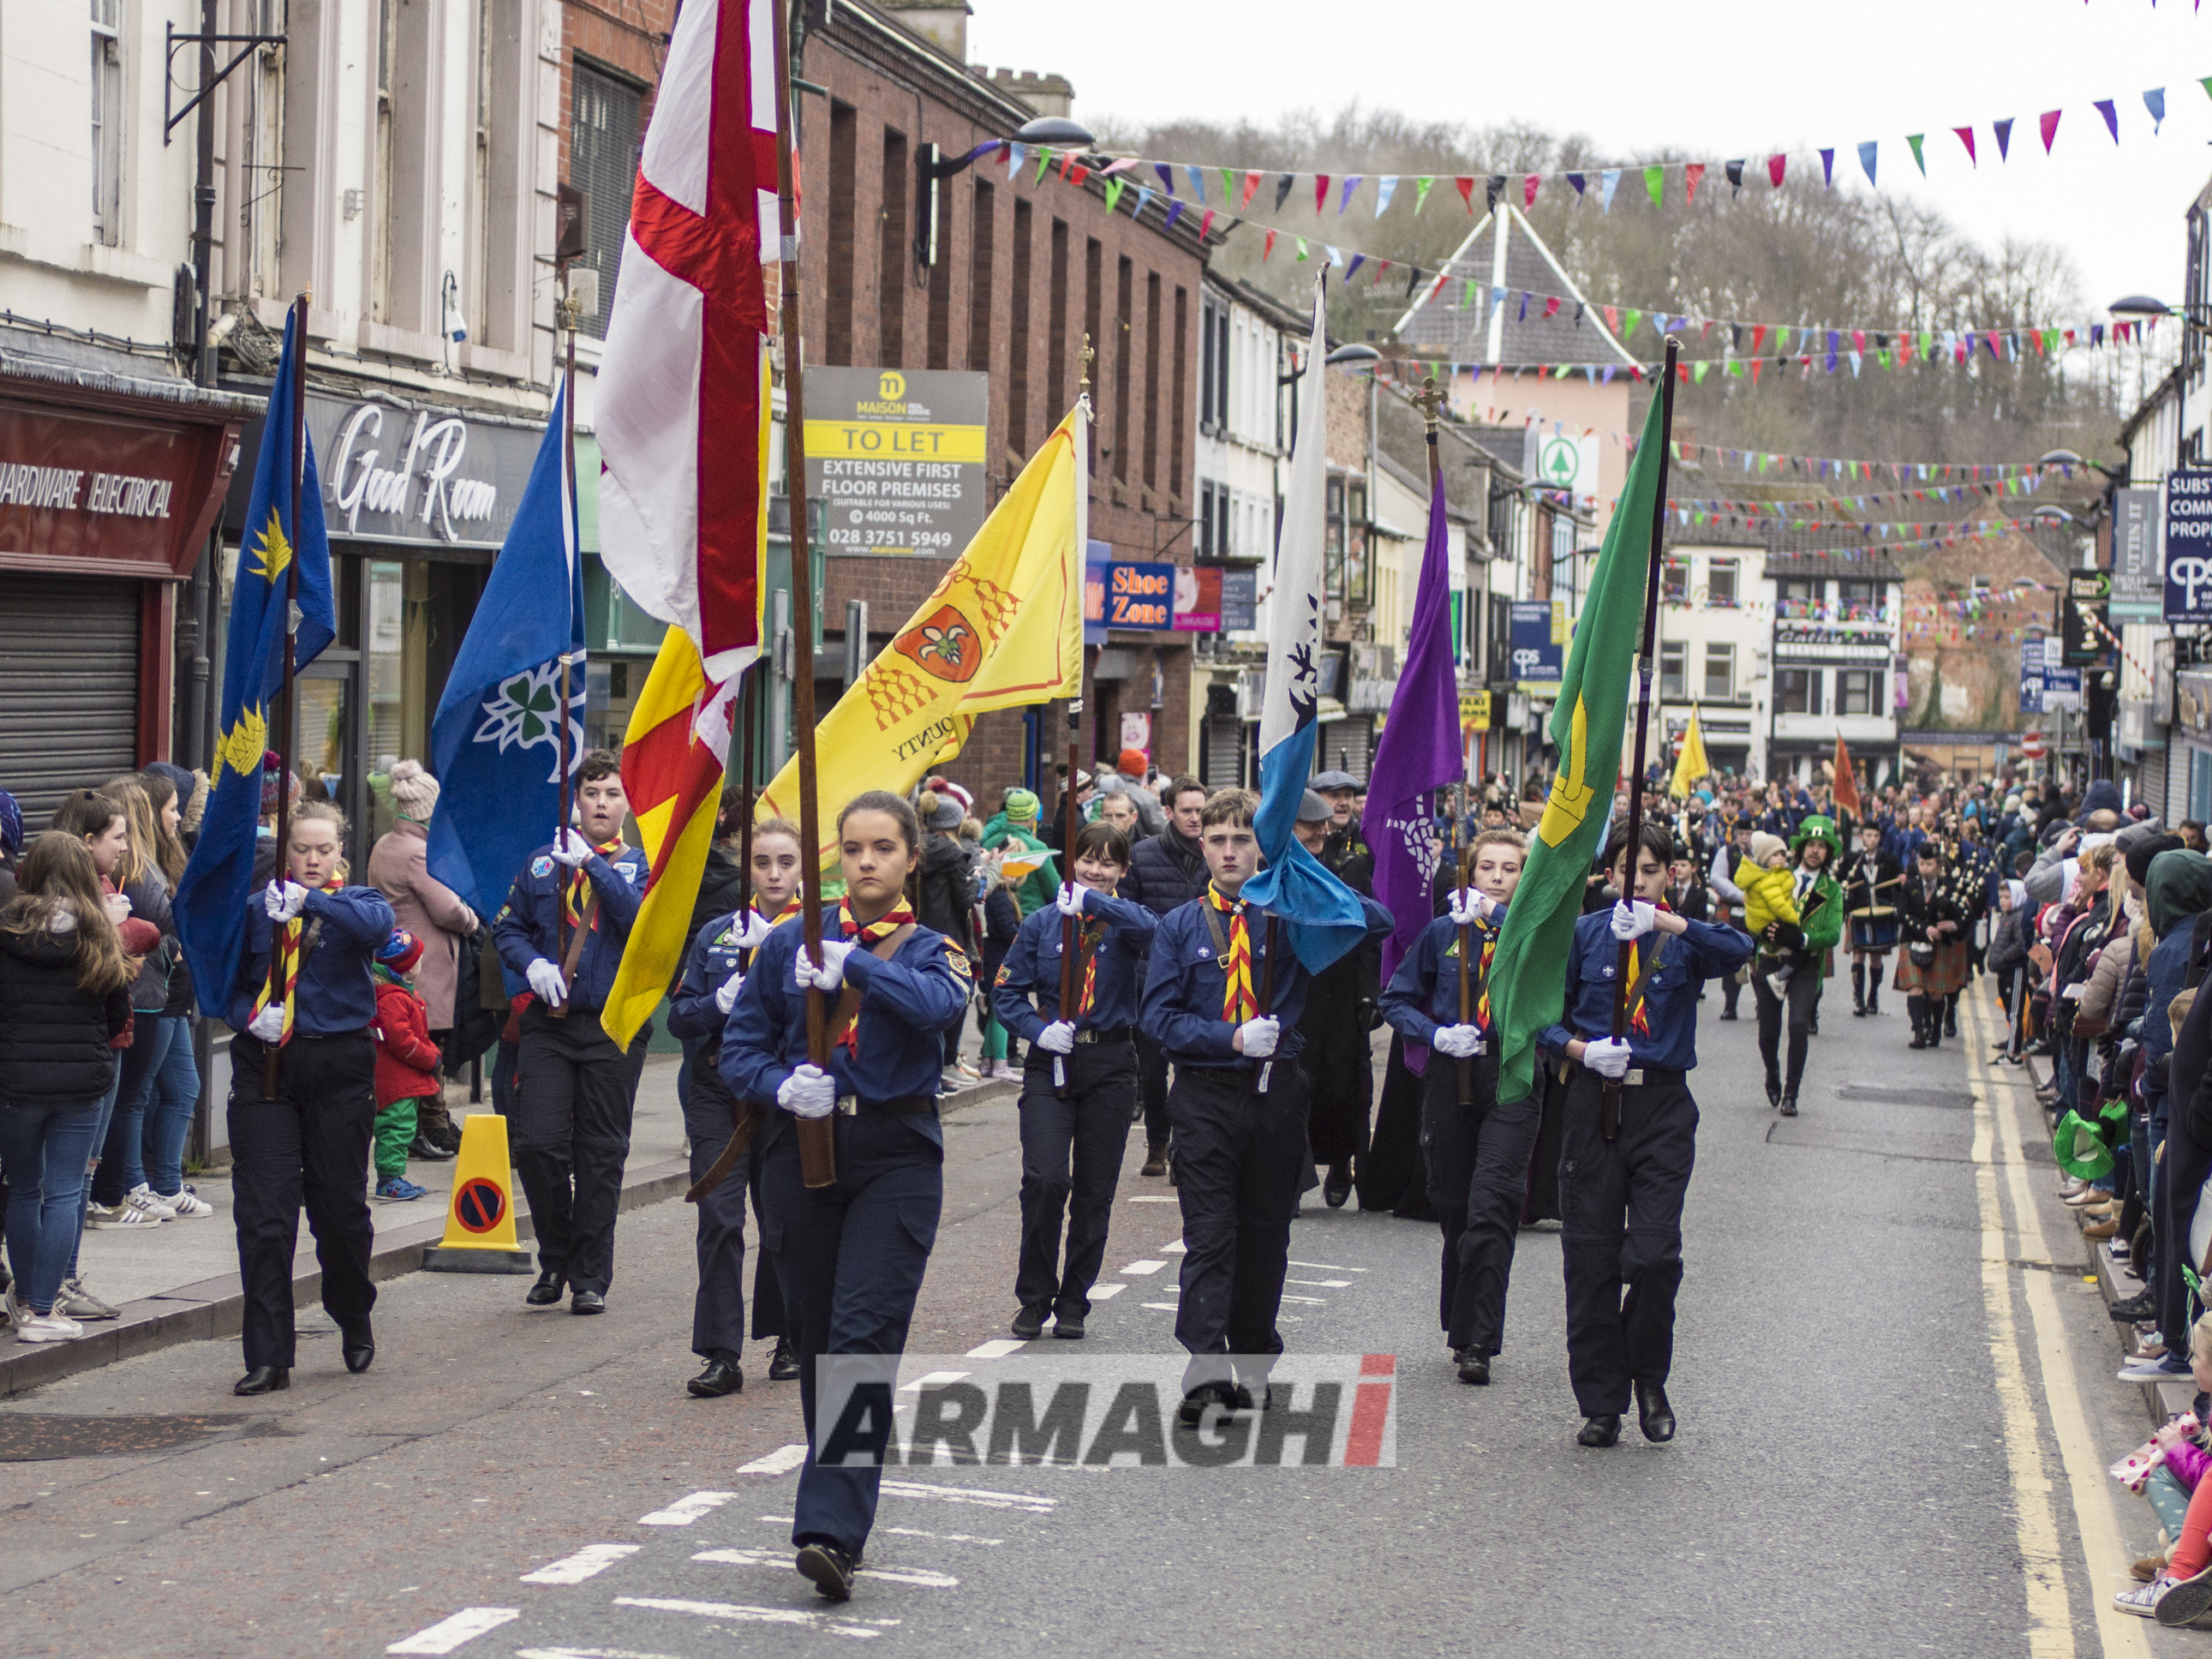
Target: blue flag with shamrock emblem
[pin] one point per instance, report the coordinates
(495, 742)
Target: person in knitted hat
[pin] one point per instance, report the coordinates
(1014, 828)
(1793, 950)
(406, 1063)
(440, 920)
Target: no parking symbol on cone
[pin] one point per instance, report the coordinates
(480, 1225)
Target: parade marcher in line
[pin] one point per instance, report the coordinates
(850, 1256)
(1931, 960)
(1870, 878)
(1477, 1149)
(1967, 874)
(437, 917)
(713, 975)
(1166, 872)
(1622, 1199)
(310, 1141)
(1074, 1137)
(1801, 947)
(1342, 1009)
(1239, 1110)
(574, 1090)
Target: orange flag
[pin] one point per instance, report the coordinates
(1846, 787)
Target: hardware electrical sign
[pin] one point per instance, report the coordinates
(88, 491)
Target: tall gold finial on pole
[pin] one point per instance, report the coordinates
(1429, 400)
(1084, 385)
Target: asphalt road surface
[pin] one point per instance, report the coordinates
(1895, 1392)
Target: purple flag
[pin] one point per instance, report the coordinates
(1418, 753)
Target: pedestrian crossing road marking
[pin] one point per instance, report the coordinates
(1160, 1307)
(1178, 1248)
(1322, 1284)
(976, 1495)
(1326, 1267)
(782, 1461)
(1153, 1198)
(587, 1562)
(684, 1510)
(737, 1613)
(942, 1537)
(780, 1559)
(449, 1633)
(1137, 1267)
(997, 1348)
(930, 1380)
(1106, 1292)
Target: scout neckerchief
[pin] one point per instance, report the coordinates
(791, 907)
(900, 916)
(1488, 931)
(579, 886)
(285, 944)
(1638, 1018)
(1238, 1004)
(1093, 932)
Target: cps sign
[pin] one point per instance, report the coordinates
(2189, 545)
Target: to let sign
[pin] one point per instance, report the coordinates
(897, 458)
(2189, 545)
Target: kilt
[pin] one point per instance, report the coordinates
(1947, 973)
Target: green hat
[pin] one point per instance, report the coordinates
(1021, 804)
(1818, 825)
(2080, 1151)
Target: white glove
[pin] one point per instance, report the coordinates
(726, 997)
(753, 931)
(1634, 918)
(1259, 1037)
(284, 900)
(808, 1091)
(1469, 907)
(570, 848)
(1460, 1041)
(1605, 1056)
(545, 978)
(269, 1024)
(1070, 899)
(830, 975)
(1057, 1038)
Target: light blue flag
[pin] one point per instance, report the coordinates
(1867, 157)
(1322, 916)
(1608, 182)
(1197, 178)
(212, 896)
(1385, 188)
(495, 741)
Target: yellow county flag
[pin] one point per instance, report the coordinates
(1692, 765)
(1004, 628)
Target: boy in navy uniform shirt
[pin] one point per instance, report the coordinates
(1079, 1089)
(575, 1090)
(1621, 1200)
(1237, 1109)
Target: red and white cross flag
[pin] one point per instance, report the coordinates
(682, 516)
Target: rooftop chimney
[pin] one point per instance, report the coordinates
(943, 23)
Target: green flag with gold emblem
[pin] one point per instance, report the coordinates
(1528, 974)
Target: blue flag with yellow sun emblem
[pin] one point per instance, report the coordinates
(211, 899)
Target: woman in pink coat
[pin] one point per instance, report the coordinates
(426, 907)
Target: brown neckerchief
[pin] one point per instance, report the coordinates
(848, 1003)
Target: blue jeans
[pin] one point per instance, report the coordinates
(44, 1148)
(105, 1106)
(172, 1096)
(122, 1157)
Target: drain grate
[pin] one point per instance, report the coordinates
(1952, 1099)
(35, 1436)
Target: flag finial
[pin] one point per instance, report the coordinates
(1429, 401)
(1083, 385)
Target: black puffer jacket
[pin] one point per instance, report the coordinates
(947, 881)
(1166, 872)
(54, 1036)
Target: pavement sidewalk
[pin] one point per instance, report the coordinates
(178, 1282)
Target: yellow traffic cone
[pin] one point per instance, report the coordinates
(480, 1224)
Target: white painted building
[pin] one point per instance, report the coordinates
(1713, 642)
(1837, 667)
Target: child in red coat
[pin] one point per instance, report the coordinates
(406, 1062)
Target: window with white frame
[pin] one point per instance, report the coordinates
(1720, 670)
(1720, 583)
(108, 110)
(1855, 691)
(1797, 690)
(1674, 669)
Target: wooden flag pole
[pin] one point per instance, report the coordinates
(818, 1136)
(1069, 932)
(568, 657)
(285, 742)
(749, 761)
(1609, 1112)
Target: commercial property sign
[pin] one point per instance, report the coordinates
(2189, 545)
(2083, 627)
(1240, 598)
(89, 490)
(2138, 595)
(1121, 593)
(897, 458)
(1540, 642)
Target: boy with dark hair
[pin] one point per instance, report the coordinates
(1620, 1195)
(1238, 1106)
(563, 929)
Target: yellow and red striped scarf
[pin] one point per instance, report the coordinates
(1489, 936)
(1639, 1019)
(1238, 1004)
(1093, 932)
(572, 900)
(900, 916)
(284, 947)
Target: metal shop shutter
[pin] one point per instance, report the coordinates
(69, 687)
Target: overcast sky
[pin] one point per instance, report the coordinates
(1751, 76)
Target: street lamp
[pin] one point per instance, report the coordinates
(932, 169)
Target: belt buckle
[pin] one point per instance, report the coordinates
(1087, 1036)
(1633, 1076)
(848, 1105)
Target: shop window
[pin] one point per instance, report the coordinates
(1720, 583)
(1855, 691)
(1797, 691)
(1720, 670)
(1674, 669)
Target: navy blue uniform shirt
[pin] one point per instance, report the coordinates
(899, 1033)
(1031, 969)
(1707, 951)
(336, 992)
(528, 926)
(715, 956)
(1184, 986)
(1424, 994)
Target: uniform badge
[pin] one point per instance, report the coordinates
(1606, 971)
(956, 959)
(541, 865)
(1005, 973)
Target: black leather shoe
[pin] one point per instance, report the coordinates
(783, 1365)
(1599, 1431)
(721, 1376)
(429, 1150)
(1787, 1106)
(1653, 1414)
(1069, 1325)
(1951, 1022)
(1773, 1093)
(1206, 1393)
(587, 1302)
(264, 1379)
(1338, 1186)
(1474, 1367)
(1247, 1401)
(1727, 1014)
(1028, 1324)
(358, 1346)
(829, 1569)
(547, 1291)
(2142, 1305)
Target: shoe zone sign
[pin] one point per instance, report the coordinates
(1312, 1410)
(2189, 545)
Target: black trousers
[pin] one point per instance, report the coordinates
(718, 1307)
(1340, 1072)
(1071, 1151)
(1478, 1158)
(1801, 993)
(573, 1096)
(1621, 1205)
(308, 1143)
(1240, 1156)
(1153, 1089)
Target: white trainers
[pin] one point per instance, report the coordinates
(75, 1302)
(185, 1204)
(99, 1215)
(143, 1197)
(45, 1327)
(2143, 1599)
(125, 1214)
